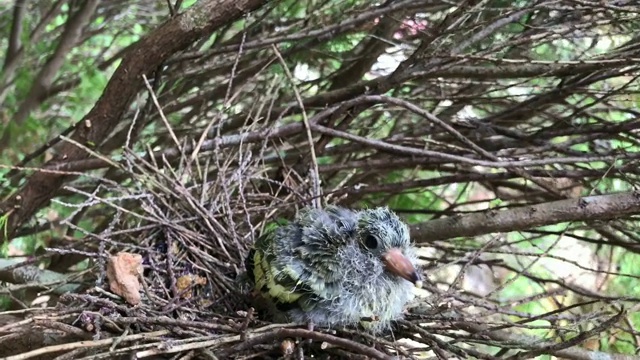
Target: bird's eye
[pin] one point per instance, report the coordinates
(371, 242)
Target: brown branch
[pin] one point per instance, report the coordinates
(413, 151)
(12, 63)
(87, 344)
(175, 35)
(44, 79)
(19, 9)
(305, 334)
(601, 207)
(574, 353)
(328, 30)
(514, 70)
(366, 53)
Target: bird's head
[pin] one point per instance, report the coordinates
(385, 237)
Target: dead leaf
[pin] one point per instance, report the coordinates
(123, 271)
(186, 281)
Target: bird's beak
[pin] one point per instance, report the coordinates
(399, 265)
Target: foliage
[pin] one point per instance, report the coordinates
(116, 139)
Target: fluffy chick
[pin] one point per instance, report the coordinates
(336, 267)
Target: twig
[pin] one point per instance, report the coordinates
(306, 334)
(86, 344)
(315, 175)
(159, 108)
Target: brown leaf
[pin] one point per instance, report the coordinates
(122, 272)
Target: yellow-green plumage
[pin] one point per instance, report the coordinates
(321, 267)
(265, 278)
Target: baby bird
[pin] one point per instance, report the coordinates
(336, 267)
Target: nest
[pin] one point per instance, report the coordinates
(167, 275)
(187, 230)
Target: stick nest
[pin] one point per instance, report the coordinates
(190, 226)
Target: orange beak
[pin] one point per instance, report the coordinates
(398, 264)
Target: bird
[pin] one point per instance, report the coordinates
(336, 267)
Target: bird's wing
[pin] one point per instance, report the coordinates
(296, 264)
(281, 286)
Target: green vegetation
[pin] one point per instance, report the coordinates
(503, 132)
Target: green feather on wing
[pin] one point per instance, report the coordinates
(283, 287)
